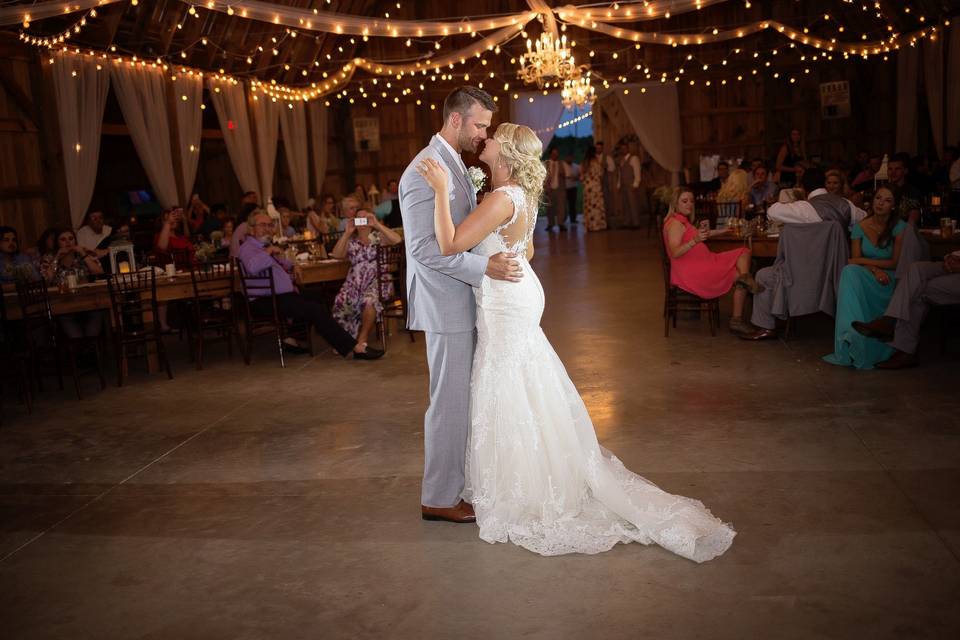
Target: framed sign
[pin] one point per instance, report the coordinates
(366, 134)
(835, 100)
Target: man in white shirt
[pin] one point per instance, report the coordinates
(93, 232)
(818, 206)
(571, 172)
(556, 189)
(630, 175)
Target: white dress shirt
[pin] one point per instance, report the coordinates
(89, 239)
(635, 163)
(455, 154)
(803, 212)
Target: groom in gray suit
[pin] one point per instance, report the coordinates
(441, 302)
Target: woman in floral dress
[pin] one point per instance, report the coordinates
(357, 305)
(594, 212)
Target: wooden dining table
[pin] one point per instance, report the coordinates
(95, 296)
(766, 246)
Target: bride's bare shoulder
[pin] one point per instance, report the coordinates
(498, 204)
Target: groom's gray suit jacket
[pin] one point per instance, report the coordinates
(439, 293)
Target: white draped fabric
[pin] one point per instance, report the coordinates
(318, 143)
(293, 124)
(908, 71)
(230, 101)
(953, 87)
(655, 116)
(266, 121)
(16, 13)
(81, 93)
(189, 128)
(933, 81)
(542, 115)
(142, 95)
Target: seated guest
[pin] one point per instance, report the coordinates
(820, 205)
(71, 259)
(326, 220)
(389, 209)
(926, 283)
(14, 265)
(257, 255)
(864, 179)
(723, 170)
(697, 270)
(360, 193)
(763, 191)
(226, 232)
(170, 239)
(214, 220)
(357, 305)
(197, 214)
(286, 229)
(349, 207)
(910, 196)
(240, 232)
(867, 282)
(836, 183)
(733, 191)
(93, 232)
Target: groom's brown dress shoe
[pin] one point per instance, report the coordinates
(461, 513)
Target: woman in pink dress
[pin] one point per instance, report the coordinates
(697, 270)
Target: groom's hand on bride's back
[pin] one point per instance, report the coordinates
(504, 266)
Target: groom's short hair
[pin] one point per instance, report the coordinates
(462, 98)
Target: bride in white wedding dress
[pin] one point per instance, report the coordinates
(535, 473)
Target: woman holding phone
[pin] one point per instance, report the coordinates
(697, 270)
(357, 305)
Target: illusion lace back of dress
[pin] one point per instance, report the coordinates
(536, 474)
(515, 234)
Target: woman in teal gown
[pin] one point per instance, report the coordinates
(867, 283)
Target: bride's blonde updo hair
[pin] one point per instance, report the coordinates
(520, 151)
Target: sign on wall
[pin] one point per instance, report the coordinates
(366, 134)
(835, 100)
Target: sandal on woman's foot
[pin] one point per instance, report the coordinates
(739, 326)
(748, 282)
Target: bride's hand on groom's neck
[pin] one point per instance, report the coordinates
(504, 266)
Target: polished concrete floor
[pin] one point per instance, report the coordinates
(259, 502)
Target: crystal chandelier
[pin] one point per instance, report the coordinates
(578, 91)
(547, 58)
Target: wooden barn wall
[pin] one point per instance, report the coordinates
(32, 189)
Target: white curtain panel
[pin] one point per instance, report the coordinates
(266, 126)
(230, 102)
(542, 115)
(933, 81)
(655, 116)
(81, 92)
(953, 87)
(141, 92)
(293, 125)
(908, 73)
(318, 143)
(189, 128)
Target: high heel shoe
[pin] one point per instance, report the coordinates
(748, 282)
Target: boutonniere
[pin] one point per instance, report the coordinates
(477, 177)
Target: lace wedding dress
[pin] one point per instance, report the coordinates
(535, 473)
